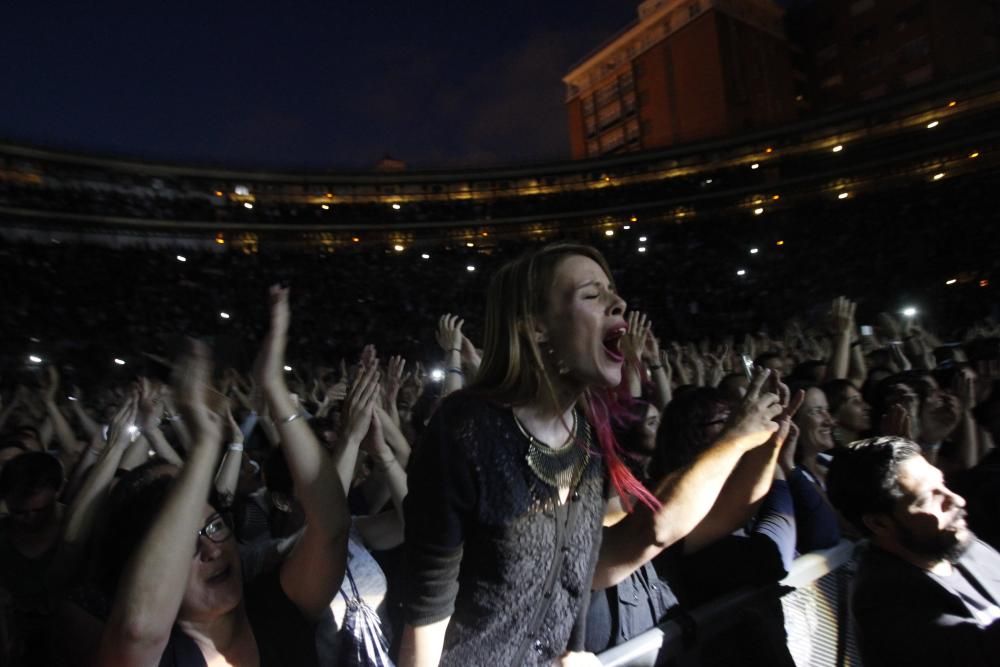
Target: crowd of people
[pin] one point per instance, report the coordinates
(578, 469)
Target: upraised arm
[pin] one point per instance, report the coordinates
(687, 495)
(311, 574)
(152, 587)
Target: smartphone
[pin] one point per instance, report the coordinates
(747, 366)
(867, 330)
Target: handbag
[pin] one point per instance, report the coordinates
(362, 642)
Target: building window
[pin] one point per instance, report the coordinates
(606, 94)
(609, 114)
(632, 131)
(612, 139)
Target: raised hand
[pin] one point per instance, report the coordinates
(449, 333)
(122, 427)
(356, 415)
(269, 366)
(752, 422)
(149, 403)
(842, 315)
(192, 372)
(635, 338)
(897, 422)
(51, 386)
(394, 379)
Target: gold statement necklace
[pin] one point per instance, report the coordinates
(562, 467)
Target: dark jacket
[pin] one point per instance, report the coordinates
(906, 616)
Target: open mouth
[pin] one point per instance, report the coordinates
(613, 344)
(220, 576)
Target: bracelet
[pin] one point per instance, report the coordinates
(292, 417)
(455, 349)
(656, 368)
(455, 370)
(236, 446)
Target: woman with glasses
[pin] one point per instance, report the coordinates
(180, 598)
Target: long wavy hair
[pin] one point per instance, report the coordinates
(513, 371)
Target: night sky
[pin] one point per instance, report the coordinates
(309, 85)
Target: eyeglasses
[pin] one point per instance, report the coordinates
(216, 530)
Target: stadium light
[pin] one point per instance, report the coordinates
(780, 243)
(609, 232)
(909, 311)
(952, 103)
(931, 125)
(633, 219)
(708, 181)
(247, 204)
(951, 282)
(938, 176)
(398, 248)
(754, 251)
(838, 148)
(425, 256)
(224, 315)
(325, 207)
(241, 190)
(119, 362)
(437, 375)
(470, 244)
(470, 268)
(627, 227)
(355, 239)
(755, 165)
(843, 195)
(34, 359)
(741, 272)
(973, 155)
(396, 207)
(758, 211)
(181, 258)
(642, 239)
(288, 369)
(642, 248)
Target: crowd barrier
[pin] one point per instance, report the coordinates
(814, 601)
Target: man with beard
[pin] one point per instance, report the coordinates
(927, 591)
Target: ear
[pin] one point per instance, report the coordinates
(534, 329)
(880, 524)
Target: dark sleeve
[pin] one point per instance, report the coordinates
(905, 632)
(284, 635)
(441, 499)
(815, 520)
(578, 636)
(776, 522)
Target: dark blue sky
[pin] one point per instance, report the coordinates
(298, 84)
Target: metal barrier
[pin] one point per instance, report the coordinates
(814, 602)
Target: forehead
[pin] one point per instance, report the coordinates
(815, 398)
(916, 475)
(575, 270)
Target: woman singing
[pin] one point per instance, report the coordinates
(508, 490)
